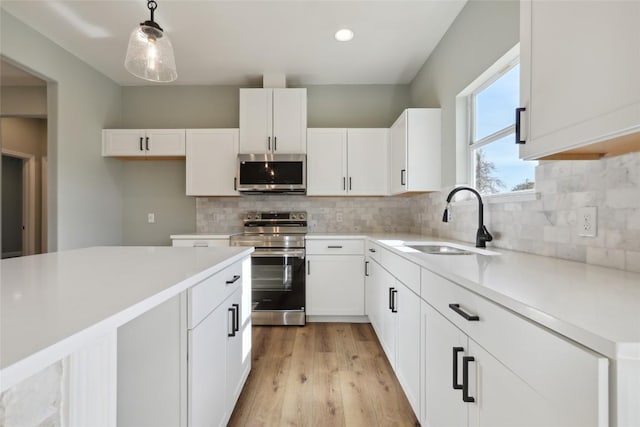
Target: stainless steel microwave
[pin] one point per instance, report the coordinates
(272, 173)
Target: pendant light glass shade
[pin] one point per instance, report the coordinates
(150, 53)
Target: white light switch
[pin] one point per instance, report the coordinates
(151, 218)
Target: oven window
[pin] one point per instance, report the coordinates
(276, 273)
(264, 173)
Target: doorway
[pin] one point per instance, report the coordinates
(12, 189)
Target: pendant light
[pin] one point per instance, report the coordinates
(150, 53)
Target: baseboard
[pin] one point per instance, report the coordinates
(337, 319)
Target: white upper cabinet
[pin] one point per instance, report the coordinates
(273, 121)
(415, 151)
(211, 162)
(143, 142)
(347, 162)
(579, 81)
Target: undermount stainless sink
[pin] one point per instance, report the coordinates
(440, 250)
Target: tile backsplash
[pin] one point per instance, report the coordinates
(359, 214)
(548, 224)
(545, 224)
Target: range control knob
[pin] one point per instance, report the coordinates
(301, 216)
(294, 216)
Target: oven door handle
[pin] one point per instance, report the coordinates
(262, 253)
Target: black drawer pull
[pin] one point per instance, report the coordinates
(372, 250)
(465, 378)
(390, 298)
(469, 317)
(366, 268)
(519, 139)
(233, 322)
(234, 280)
(456, 350)
(394, 309)
(334, 247)
(237, 317)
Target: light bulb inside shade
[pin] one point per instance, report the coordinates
(344, 35)
(150, 55)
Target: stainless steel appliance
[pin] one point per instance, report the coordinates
(277, 265)
(272, 173)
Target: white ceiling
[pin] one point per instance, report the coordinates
(235, 42)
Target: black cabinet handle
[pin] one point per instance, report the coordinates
(275, 143)
(141, 149)
(269, 143)
(394, 309)
(519, 112)
(146, 143)
(235, 184)
(390, 298)
(372, 250)
(469, 317)
(366, 268)
(308, 267)
(465, 378)
(233, 322)
(344, 183)
(402, 176)
(236, 317)
(334, 247)
(349, 183)
(234, 280)
(456, 350)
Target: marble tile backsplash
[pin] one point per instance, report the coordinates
(548, 224)
(359, 214)
(544, 224)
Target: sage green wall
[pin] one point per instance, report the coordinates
(159, 186)
(84, 189)
(483, 32)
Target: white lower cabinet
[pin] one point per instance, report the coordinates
(485, 366)
(394, 310)
(335, 279)
(185, 362)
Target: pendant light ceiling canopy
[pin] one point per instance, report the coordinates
(150, 53)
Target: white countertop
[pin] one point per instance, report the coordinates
(53, 304)
(595, 306)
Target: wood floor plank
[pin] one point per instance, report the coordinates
(333, 374)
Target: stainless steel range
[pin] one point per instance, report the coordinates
(277, 265)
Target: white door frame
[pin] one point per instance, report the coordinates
(28, 199)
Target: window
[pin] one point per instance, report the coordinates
(496, 167)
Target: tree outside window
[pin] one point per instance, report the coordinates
(494, 154)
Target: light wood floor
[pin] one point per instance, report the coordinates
(322, 374)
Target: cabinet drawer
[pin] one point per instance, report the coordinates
(196, 243)
(554, 366)
(403, 270)
(335, 247)
(208, 294)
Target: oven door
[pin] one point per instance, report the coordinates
(278, 279)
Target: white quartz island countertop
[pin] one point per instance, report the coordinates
(53, 304)
(595, 306)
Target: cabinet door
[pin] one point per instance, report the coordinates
(165, 142)
(234, 351)
(389, 317)
(123, 142)
(582, 87)
(211, 162)
(256, 125)
(367, 154)
(207, 369)
(408, 355)
(289, 121)
(326, 162)
(374, 295)
(398, 141)
(335, 285)
(442, 403)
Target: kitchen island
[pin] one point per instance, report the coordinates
(55, 305)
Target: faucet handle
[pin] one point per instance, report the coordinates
(487, 236)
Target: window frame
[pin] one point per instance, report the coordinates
(479, 85)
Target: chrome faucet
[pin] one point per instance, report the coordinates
(483, 235)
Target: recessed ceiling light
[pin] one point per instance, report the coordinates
(344, 35)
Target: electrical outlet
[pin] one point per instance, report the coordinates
(587, 221)
(151, 218)
(338, 216)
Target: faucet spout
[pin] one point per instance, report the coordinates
(482, 235)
